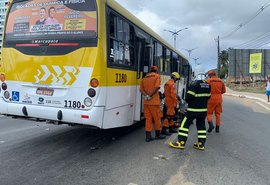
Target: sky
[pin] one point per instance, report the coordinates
(240, 24)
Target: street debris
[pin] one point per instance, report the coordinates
(161, 157)
(94, 148)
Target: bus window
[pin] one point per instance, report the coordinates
(113, 30)
(175, 62)
(168, 63)
(121, 42)
(32, 23)
(158, 58)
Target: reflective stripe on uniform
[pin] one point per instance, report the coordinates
(183, 129)
(199, 95)
(182, 134)
(203, 95)
(183, 122)
(201, 131)
(192, 93)
(201, 136)
(196, 110)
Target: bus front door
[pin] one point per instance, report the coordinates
(143, 54)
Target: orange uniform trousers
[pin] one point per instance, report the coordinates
(214, 105)
(169, 113)
(152, 112)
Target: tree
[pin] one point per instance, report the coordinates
(223, 57)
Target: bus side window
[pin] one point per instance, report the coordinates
(168, 63)
(158, 57)
(121, 42)
(175, 63)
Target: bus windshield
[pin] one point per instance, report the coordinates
(51, 21)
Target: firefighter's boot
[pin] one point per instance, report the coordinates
(199, 145)
(177, 144)
(148, 137)
(159, 135)
(165, 131)
(211, 127)
(217, 129)
(172, 129)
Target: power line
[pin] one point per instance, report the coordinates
(248, 21)
(257, 40)
(259, 45)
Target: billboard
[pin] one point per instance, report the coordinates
(52, 19)
(255, 63)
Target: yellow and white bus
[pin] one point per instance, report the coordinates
(80, 62)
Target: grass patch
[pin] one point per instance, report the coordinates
(256, 89)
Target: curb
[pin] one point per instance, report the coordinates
(246, 96)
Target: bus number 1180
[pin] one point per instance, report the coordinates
(120, 78)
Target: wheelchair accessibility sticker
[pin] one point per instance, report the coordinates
(15, 96)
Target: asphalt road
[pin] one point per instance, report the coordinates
(33, 153)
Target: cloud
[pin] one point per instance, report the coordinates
(152, 20)
(206, 20)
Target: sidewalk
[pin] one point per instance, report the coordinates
(260, 98)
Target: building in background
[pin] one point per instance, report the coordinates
(3, 8)
(248, 65)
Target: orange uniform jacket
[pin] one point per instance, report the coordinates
(149, 82)
(152, 109)
(170, 93)
(217, 88)
(170, 101)
(215, 101)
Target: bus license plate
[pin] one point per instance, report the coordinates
(45, 91)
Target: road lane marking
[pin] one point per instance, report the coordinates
(262, 105)
(179, 177)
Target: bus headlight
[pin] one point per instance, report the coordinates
(87, 102)
(6, 94)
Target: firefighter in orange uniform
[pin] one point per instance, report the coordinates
(215, 102)
(170, 103)
(150, 86)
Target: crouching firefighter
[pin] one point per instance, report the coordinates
(196, 97)
(170, 103)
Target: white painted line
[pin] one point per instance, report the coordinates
(263, 105)
(1, 142)
(132, 184)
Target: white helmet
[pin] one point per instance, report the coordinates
(200, 76)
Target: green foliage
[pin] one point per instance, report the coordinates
(224, 56)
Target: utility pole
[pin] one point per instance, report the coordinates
(189, 52)
(195, 59)
(175, 33)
